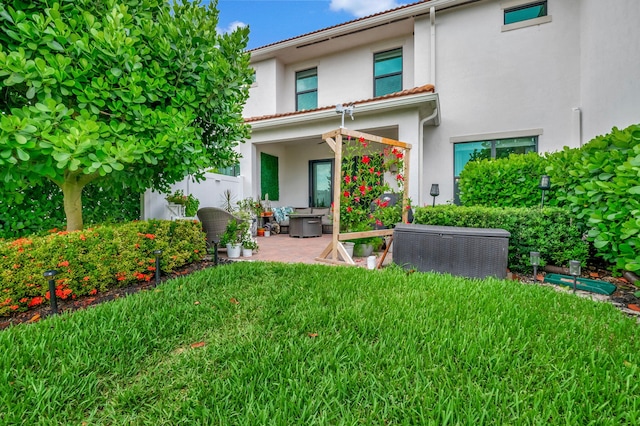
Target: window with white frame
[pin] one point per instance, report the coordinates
(524, 13)
(387, 72)
(307, 89)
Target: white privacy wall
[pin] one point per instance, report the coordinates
(209, 192)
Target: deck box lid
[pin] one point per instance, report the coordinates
(452, 230)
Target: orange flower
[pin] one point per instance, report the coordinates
(93, 291)
(64, 263)
(36, 301)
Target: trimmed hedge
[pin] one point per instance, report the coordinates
(504, 182)
(94, 259)
(551, 231)
(600, 183)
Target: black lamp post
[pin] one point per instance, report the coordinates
(535, 261)
(435, 191)
(574, 269)
(158, 254)
(545, 185)
(52, 289)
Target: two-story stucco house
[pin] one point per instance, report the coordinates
(448, 77)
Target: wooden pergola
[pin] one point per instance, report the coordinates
(335, 250)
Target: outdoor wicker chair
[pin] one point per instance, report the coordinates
(214, 223)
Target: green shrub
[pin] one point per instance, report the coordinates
(504, 182)
(600, 183)
(94, 259)
(42, 209)
(551, 231)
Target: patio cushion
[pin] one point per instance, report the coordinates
(281, 214)
(278, 214)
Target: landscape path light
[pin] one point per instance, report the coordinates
(52, 289)
(574, 269)
(535, 261)
(158, 254)
(545, 185)
(435, 191)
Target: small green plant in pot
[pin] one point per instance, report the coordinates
(249, 246)
(365, 246)
(233, 236)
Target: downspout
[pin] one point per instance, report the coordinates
(577, 126)
(434, 114)
(432, 17)
(424, 121)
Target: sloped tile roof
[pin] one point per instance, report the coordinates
(340, 25)
(427, 88)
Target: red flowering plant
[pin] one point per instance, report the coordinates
(368, 172)
(92, 260)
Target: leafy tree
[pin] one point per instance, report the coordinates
(134, 92)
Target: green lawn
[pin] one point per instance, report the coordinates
(300, 344)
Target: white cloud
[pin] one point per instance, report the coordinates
(360, 8)
(231, 28)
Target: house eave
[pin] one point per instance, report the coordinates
(378, 106)
(409, 11)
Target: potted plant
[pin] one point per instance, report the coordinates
(233, 236)
(248, 247)
(181, 205)
(365, 246)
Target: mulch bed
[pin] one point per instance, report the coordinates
(624, 298)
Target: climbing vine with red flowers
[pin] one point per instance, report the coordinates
(369, 170)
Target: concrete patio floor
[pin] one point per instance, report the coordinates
(282, 248)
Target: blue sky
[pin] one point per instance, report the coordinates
(271, 21)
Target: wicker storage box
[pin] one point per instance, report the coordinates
(469, 252)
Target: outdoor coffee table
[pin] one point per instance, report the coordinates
(304, 225)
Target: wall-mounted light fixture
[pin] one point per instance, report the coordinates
(342, 110)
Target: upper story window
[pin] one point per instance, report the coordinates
(524, 13)
(307, 89)
(387, 72)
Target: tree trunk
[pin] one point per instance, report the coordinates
(72, 192)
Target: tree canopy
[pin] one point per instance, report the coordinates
(134, 92)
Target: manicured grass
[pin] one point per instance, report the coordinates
(300, 344)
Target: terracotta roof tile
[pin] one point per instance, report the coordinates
(413, 91)
(340, 25)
